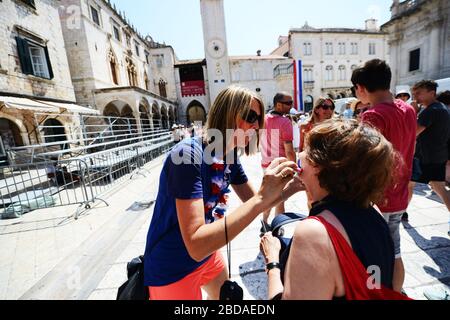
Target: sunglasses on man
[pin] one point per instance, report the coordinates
(251, 117)
(287, 103)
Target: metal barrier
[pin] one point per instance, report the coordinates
(82, 180)
(27, 187)
(78, 162)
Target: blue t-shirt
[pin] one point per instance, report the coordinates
(166, 257)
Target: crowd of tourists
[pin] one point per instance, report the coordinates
(358, 172)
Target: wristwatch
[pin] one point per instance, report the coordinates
(273, 265)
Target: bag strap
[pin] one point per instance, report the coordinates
(353, 271)
(285, 218)
(228, 248)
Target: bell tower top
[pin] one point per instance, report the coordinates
(215, 42)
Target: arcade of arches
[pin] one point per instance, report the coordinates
(10, 134)
(147, 118)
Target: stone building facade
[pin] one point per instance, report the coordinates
(419, 40)
(33, 71)
(329, 55)
(262, 74)
(192, 90)
(200, 81)
(110, 60)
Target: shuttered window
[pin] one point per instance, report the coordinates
(34, 59)
(95, 16)
(30, 3)
(414, 60)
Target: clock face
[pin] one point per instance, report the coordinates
(216, 48)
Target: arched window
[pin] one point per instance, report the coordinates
(328, 48)
(132, 72)
(308, 75)
(146, 82)
(10, 134)
(114, 67)
(341, 48)
(307, 49)
(329, 73)
(54, 132)
(342, 73)
(162, 88)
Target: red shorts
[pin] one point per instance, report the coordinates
(189, 288)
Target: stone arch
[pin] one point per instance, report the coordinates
(145, 115)
(176, 110)
(156, 115)
(54, 131)
(129, 121)
(11, 133)
(111, 110)
(164, 117)
(127, 112)
(172, 116)
(195, 112)
(114, 113)
(19, 123)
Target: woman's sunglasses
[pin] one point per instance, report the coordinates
(251, 117)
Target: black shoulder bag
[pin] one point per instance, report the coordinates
(134, 288)
(230, 290)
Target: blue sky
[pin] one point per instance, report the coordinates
(251, 24)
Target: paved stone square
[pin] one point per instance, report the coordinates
(48, 255)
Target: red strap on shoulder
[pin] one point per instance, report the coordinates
(357, 282)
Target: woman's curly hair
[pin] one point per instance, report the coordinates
(356, 162)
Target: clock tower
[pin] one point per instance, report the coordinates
(216, 52)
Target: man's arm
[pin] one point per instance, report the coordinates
(425, 120)
(290, 153)
(420, 129)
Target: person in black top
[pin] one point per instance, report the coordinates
(433, 134)
(346, 168)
